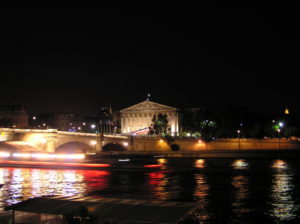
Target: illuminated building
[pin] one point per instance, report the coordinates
(139, 116)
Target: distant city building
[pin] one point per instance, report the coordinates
(106, 124)
(13, 116)
(137, 118)
(64, 122)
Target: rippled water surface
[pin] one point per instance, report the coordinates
(227, 190)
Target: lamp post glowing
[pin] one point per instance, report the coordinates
(239, 132)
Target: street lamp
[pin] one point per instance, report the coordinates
(239, 132)
(278, 137)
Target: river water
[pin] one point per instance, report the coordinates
(227, 190)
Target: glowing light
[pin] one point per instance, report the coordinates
(4, 154)
(200, 163)
(153, 166)
(93, 126)
(286, 111)
(123, 160)
(279, 164)
(43, 156)
(125, 144)
(41, 163)
(281, 124)
(48, 156)
(200, 141)
(21, 155)
(42, 140)
(240, 164)
(162, 161)
(70, 156)
(93, 142)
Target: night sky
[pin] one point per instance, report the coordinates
(75, 58)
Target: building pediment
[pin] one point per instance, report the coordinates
(147, 106)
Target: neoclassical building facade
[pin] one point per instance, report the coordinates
(139, 116)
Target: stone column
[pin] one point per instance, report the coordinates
(50, 144)
(99, 142)
(122, 124)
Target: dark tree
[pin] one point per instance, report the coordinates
(160, 125)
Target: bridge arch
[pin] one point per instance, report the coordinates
(19, 146)
(113, 147)
(74, 147)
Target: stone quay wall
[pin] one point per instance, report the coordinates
(147, 144)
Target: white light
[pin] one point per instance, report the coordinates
(34, 118)
(93, 142)
(281, 124)
(125, 144)
(240, 164)
(42, 140)
(93, 126)
(48, 156)
(4, 154)
(123, 160)
(21, 155)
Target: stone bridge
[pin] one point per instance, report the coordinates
(52, 140)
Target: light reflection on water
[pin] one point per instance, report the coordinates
(283, 205)
(24, 183)
(240, 196)
(240, 164)
(240, 188)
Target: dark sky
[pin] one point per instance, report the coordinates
(75, 58)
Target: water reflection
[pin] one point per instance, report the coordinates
(20, 183)
(157, 182)
(240, 196)
(201, 196)
(279, 164)
(240, 164)
(200, 163)
(283, 205)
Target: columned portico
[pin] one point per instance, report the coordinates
(140, 116)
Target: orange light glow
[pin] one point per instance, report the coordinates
(279, 164)
(200, 163)
(162, 161)
(153, 165)
(240, 164)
